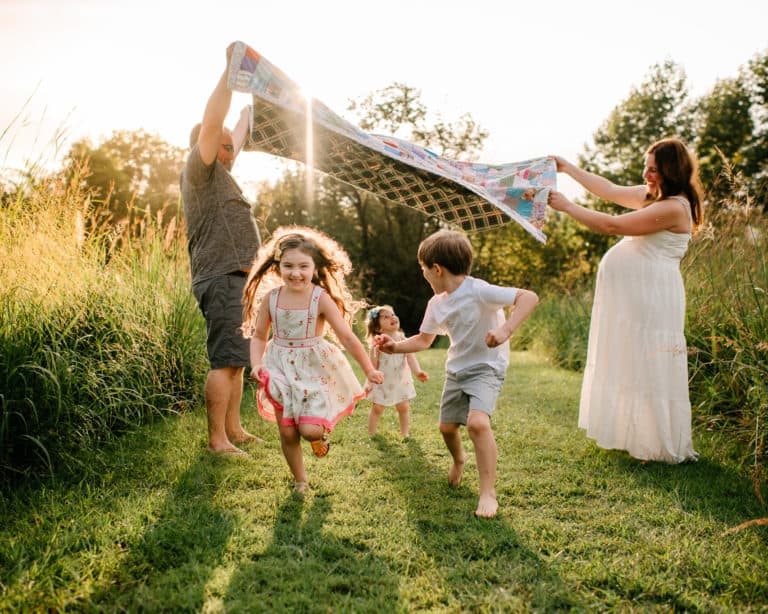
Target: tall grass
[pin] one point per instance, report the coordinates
(727, 288)
(92, 343)
(559, 328)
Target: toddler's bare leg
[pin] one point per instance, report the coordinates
(373, 418)
(404, 415)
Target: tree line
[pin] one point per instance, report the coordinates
(133, 176)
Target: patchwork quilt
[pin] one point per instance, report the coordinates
(472, 196)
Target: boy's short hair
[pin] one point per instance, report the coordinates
(448, 248)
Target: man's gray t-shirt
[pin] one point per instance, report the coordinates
(222, 236)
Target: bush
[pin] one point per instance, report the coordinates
(90, 346)
(727, 281)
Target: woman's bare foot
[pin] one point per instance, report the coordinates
(487, 506)
(456, 471)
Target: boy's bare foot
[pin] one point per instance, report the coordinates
(456, 471)
(487, 506)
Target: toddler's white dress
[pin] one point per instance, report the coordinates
(398, 380)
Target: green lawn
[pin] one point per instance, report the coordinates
(171, 528)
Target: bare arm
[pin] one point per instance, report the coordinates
(373, 354)
(214, 115)
(259, 338)
(661, 215)
(328, 309)
(415, 343)
(242, 129)
(525, 303)
(413, 364)
(632, 197)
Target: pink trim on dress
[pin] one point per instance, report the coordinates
(271, 414)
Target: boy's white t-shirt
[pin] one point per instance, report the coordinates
(466, 315)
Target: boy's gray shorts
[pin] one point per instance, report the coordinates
(476, 387)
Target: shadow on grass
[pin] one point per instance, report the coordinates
(168, 567)
(485, 566)
(307, 569)
(704, 486)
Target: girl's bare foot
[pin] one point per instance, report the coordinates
(456, 471)
(300, 488)
(487, 506)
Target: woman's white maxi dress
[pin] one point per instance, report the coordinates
(634, 395)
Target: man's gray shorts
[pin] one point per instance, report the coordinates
(476, 387)
(221, 301)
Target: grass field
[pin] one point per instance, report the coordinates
(169, 528)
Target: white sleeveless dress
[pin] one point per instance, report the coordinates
(308, 379)
(634, 394)
(398, 380)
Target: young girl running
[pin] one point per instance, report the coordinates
(398, 369)
(306, 383)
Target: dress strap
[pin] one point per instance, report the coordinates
(273, 295)
(314, 301)
(687, 205)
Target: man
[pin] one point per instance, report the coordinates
(222, 242)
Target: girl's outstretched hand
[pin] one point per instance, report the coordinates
(260, 375)
(375, 377)
(422, 376)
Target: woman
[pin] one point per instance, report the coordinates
(634, 395)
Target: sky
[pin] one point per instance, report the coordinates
(539, 77)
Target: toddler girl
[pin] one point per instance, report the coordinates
(397, 388)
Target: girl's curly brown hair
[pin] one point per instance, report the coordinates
(332, 265)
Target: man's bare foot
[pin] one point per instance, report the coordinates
(229, 451)
(456, 471)
(487, 506)
(246, 437)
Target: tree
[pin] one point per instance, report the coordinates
(756, 153)
(130, 175)
(658, 108)
(725, 130)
